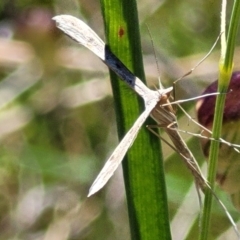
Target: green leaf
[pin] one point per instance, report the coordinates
(143, 166)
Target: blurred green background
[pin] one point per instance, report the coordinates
(57, 123)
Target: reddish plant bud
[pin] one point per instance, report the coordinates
(228, 172)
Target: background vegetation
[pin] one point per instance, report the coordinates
(57, 123)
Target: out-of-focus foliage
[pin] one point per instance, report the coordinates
(57, 121)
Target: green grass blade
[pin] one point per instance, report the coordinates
(143, 166)
(225, 72)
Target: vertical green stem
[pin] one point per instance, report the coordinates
(225, 72)
(143, 166)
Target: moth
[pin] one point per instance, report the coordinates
(163, 115)
(157, 105)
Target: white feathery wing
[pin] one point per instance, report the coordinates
(83, 34)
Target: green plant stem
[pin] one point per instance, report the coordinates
(143, 166)
(225, 72)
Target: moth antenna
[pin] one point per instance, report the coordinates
(202, 60)
(155, 56)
